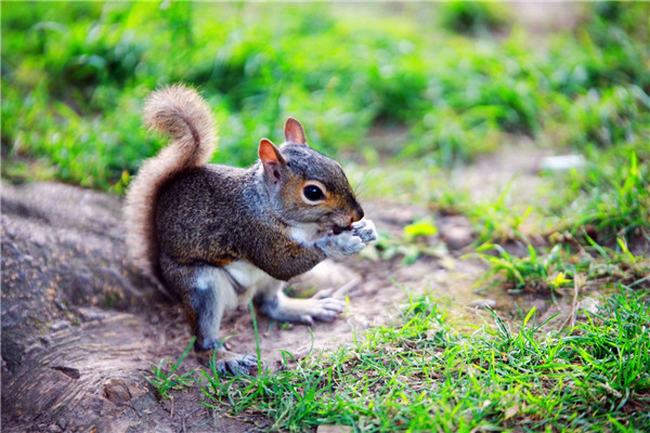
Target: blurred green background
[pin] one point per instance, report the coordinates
(372, 83)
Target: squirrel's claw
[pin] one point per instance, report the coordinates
(365, 229)
(235, 364)
(326, 309)
(320, 314)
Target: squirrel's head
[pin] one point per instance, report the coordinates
(306, 186)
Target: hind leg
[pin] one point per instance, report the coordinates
(207, 293)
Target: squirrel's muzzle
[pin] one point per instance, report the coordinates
(357, 214)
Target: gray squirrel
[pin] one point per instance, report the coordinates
(219, 236)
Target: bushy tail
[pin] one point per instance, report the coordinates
(181, 113)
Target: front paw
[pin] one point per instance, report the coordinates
(340, 245)
(365, 229)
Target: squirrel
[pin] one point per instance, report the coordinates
(218, 236)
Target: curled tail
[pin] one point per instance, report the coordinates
(181, 113)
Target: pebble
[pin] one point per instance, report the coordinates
(59, 325)
(333, 429)
(117, 391)
(484, 304)
(457, 237)
(90, 314)
(562, 162)
(586, 306)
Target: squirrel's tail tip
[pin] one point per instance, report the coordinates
(181, 112)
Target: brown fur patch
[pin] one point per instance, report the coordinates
(222, 262)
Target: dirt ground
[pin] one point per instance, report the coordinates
(81, 329)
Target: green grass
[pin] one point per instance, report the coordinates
(411, 244)
(422, 375)
(497, 220)
(549, 271)
(166, 378)
(609, 199)
(75, 75)
(534, 272)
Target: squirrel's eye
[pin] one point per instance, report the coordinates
(313, 193)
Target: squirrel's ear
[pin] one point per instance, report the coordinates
(271, 159)
(293, 132)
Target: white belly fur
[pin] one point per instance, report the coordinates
(246, 275)
(211, 278)
(252, 278)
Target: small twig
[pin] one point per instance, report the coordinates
(637, 282)
(578, 281)
(345, 288)
(340, 292)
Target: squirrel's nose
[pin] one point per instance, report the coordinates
(357, 213)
